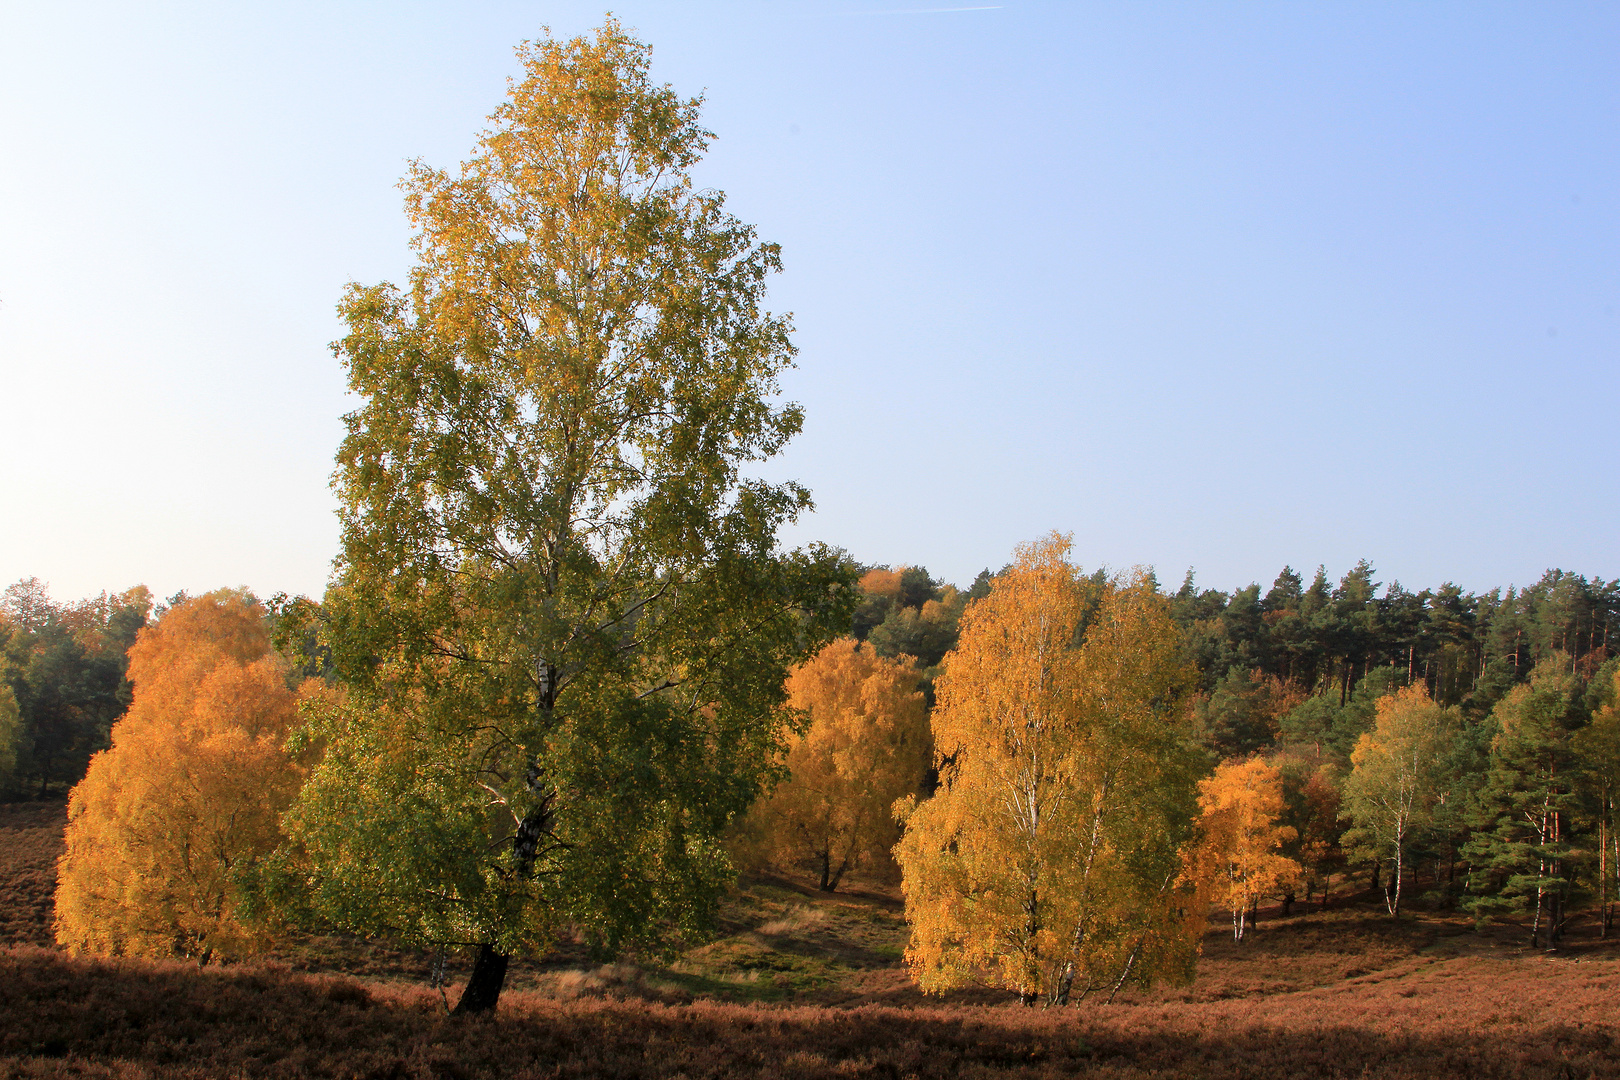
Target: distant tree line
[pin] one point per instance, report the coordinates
(1465, 743)
(1323, 640)
(1304, 642)
(62, 682)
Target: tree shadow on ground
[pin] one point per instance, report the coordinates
(82, 1017)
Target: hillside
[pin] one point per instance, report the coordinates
(805, 985)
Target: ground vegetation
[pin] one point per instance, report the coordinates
(807, 984)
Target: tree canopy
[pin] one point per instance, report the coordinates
(1241, 837)
(560, 603)
(1520, 850)
(1049, 858)
(865, 747)
(1396, 779)
(168, 825)
(63, 667)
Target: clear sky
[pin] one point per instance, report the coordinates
(1213, 285)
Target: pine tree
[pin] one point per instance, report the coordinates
(1597, 752)
(1520, 851)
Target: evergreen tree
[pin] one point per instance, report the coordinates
(1450, 657)
(1285, 592)
(65, 666)
(1520, 851)
(981, 585)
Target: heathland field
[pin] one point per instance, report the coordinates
(801, 984)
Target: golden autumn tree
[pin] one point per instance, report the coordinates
(1048, 861)
(1240, 837)
(561, 609)
(1397, 778)
(866, 746)
(883, 582)
(165, 824)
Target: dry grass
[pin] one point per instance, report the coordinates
(30, 842)
(1469, 1016)
(801, 984)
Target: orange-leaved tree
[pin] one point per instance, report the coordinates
(1240, 837)
(866, 746)
(168, 822)
(1048, 862)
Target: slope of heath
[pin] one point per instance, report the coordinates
(803, 984)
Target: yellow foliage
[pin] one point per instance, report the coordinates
(1396, 777)
(880, 582)
(865, 747)
(1048, 861)
(1240, 837)
(166, 821)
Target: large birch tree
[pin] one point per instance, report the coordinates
(1049, 860)
(1397, 779)
(560, 601)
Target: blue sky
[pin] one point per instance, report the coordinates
(1209, 285)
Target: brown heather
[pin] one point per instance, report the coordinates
(806, 985)
(30, 844)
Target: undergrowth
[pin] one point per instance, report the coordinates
(803, 984)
